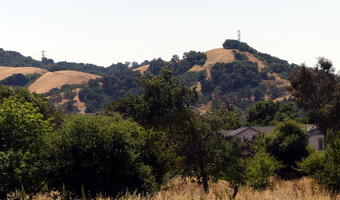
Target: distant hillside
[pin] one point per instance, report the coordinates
(58, 79)
(236, 75)
(6, 72)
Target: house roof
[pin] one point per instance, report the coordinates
(264, 129)
(311, 129)
(232, 133)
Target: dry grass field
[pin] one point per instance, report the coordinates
(142, 69)
(223, 56)
(215, 56)
(9, 71)
(179, 189)
(57, 79)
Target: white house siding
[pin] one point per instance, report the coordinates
(317, 141)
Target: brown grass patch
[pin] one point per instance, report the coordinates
(214, 56)
(221, 55)
(57, 79)
(9, 71)
(179, 189)
(142, 69)
(185, 189)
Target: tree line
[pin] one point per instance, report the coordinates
(139, 142)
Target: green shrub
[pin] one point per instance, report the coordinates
(22, 128)
(101, 154)
(260, 169)
(313, 163)
(324, 167)
(288, 145)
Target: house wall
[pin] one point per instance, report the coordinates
(248, 134)
(315, 140)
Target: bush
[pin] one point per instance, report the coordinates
(313, 163)
(22, 128)
(260, 169)
(101, 154)
(36, 100)
(288, 145)
(324, 168)
(240, 56)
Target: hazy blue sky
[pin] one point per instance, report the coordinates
(103, 31)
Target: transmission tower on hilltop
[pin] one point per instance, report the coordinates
(43, 54)
(239, 35)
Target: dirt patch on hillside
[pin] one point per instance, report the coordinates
(9, 71)
(79, 104)
(60, 99)
(57, 79)
(198, 86)
(142, 69)
(285, 97)
(196, 68)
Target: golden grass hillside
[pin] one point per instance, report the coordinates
(215, 56)
(179, 189)
(57, 79)
(142, 69)
(9, 71)
(221, 55)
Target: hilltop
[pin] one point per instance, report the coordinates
(236, 75)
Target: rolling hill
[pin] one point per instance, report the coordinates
(235, 75)
(58, 79)
(9, 71)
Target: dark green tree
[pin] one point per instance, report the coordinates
(204, 151)
(317, 91)
(38, 101)
(156, 65)
(163, 105)
(266, 113)
(104, 155)
(288, 144)
(162, 97)
(235, 44)
(22, 129)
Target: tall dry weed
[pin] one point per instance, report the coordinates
(185, 189)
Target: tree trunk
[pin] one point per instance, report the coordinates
(204, 179)
(235, 191)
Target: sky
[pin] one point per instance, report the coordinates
(103, 32)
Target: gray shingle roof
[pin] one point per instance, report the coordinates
(309, 128)
(232, 133)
